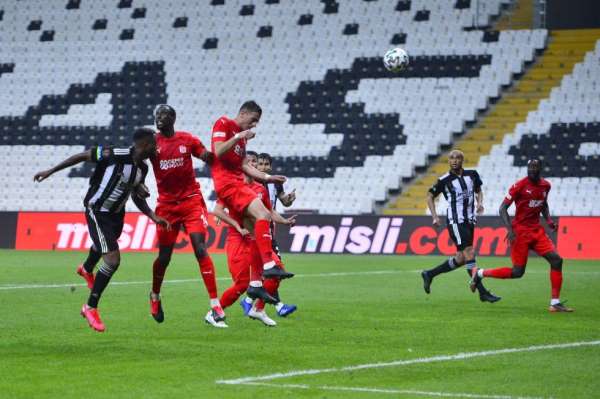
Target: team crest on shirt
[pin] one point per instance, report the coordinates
(182, 149)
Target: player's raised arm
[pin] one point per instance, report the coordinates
(261, 176)
(222, 147)
(287, 199)
(71, 161)
(277, 218)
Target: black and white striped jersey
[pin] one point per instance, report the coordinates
(274, 190)
(113, 179)
(459, 191)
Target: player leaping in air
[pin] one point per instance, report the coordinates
(530, 196)
(243, 257)
(119, 172)
(180, 201)
(229, 137)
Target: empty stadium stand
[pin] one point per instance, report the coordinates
(345, 130)
(516, 105)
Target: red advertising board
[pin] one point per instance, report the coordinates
(68, 231)
(577, 237)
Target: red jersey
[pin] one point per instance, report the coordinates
(173, 166)
(228, 168)
(263, 194)
(529, 198)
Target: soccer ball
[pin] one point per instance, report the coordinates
(395, 60)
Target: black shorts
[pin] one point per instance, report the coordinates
(105, 229)
(461, 234)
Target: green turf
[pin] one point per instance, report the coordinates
(47, 349)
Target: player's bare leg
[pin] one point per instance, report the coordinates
(262, 233)
(556, 279)
(159, 268)
(109, 266)
(215, 316)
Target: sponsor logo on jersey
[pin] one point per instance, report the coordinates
(166, 164)
(219, 134)
(536, 203)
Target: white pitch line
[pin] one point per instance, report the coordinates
(311, 275)
(422, 360)
(390, 391)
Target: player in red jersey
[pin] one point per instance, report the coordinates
(243, 256)
(180, 201)
(229, 137)
(530, 195)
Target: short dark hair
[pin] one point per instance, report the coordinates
(252, 153)
(142, 133)
(169, 109)
(251, 106)
(264, 155)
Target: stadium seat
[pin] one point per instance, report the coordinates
(338, 123)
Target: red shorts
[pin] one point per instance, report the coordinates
(241, 256)
(535, 239)
(190, 213)
(237, 196)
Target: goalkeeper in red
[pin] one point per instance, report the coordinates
(530, 196)
(229, 137)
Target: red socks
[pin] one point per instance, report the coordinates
(556, 279)
(207, 270)
(501, 272)
(262, 234)
(158, 274)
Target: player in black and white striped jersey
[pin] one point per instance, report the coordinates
(462, 190)
(119, 173)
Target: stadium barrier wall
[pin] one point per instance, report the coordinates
(577, 237)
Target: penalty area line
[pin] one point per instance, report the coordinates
(408, 362)
(411, 392)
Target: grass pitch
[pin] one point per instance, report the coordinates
(353, 310)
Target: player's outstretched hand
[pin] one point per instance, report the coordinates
(436, 221)
(551, 225)
(142, 191)
(41, 176)
(247, 134)
(291, 197)
(276, 179)
(480, 209)
(243, 232)
(291, 221)
(162, 222)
